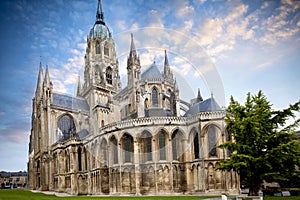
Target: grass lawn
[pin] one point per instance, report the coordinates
(18, 194)
(282, 198)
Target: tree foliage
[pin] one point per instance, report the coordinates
(264, 147)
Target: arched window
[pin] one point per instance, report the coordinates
(127, 147)
(106, 50)
(146, 103)
(103, 153)
(93, 156)
(98, 51)
(174, 146)
(109, 75)
(79, 159)
(147, 146)
(66, 127)
(115, 149)
(196, 146)
(213, 134)
(177, 151)
(162, 144)
(85, 159)
(154, 98)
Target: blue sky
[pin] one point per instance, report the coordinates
(222, 47)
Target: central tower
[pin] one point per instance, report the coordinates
(101, 74)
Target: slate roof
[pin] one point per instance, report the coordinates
(81, 134)
(151, 72)
(155, 112)
(103, 105)
(204, 106)
(70, 102)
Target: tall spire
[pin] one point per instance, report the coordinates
(39, 87)
(133, 66)
(167, 71)
(47, 77)
(132, 48)
(99, 15)
(166, 59)
(78, 86)
(166, 65)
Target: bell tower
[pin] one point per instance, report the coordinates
(101, 74)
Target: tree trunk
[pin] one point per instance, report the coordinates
(254, 187)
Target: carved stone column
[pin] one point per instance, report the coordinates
(73, 170)
(137, 166)
(61, 178)
(51, 173)
(187, 182)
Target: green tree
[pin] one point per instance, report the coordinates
(264, 146)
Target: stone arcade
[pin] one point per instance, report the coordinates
(135, 140)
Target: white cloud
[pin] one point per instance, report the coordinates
(210, 31)
(155, 19)
(121, 24)
(185, 10)
(265, 5)
(236, 13)
(59, 86)
(134, 26)
(279, 26)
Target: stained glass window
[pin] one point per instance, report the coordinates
(66, 127)
(162, 144)
(147, 146)
(97, 47)
(212, 140)
(154, 98)
(115, 150)
(174, 146)
(196, 146)
(128, 148)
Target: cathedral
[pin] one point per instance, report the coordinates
(114, 140)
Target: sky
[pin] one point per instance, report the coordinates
(225, 48)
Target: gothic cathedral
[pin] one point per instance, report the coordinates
(110, 140)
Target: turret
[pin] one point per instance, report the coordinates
(48, 87)
(133, 66)
(199, 97)
(168, 75)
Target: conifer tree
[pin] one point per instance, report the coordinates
(264, 147)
